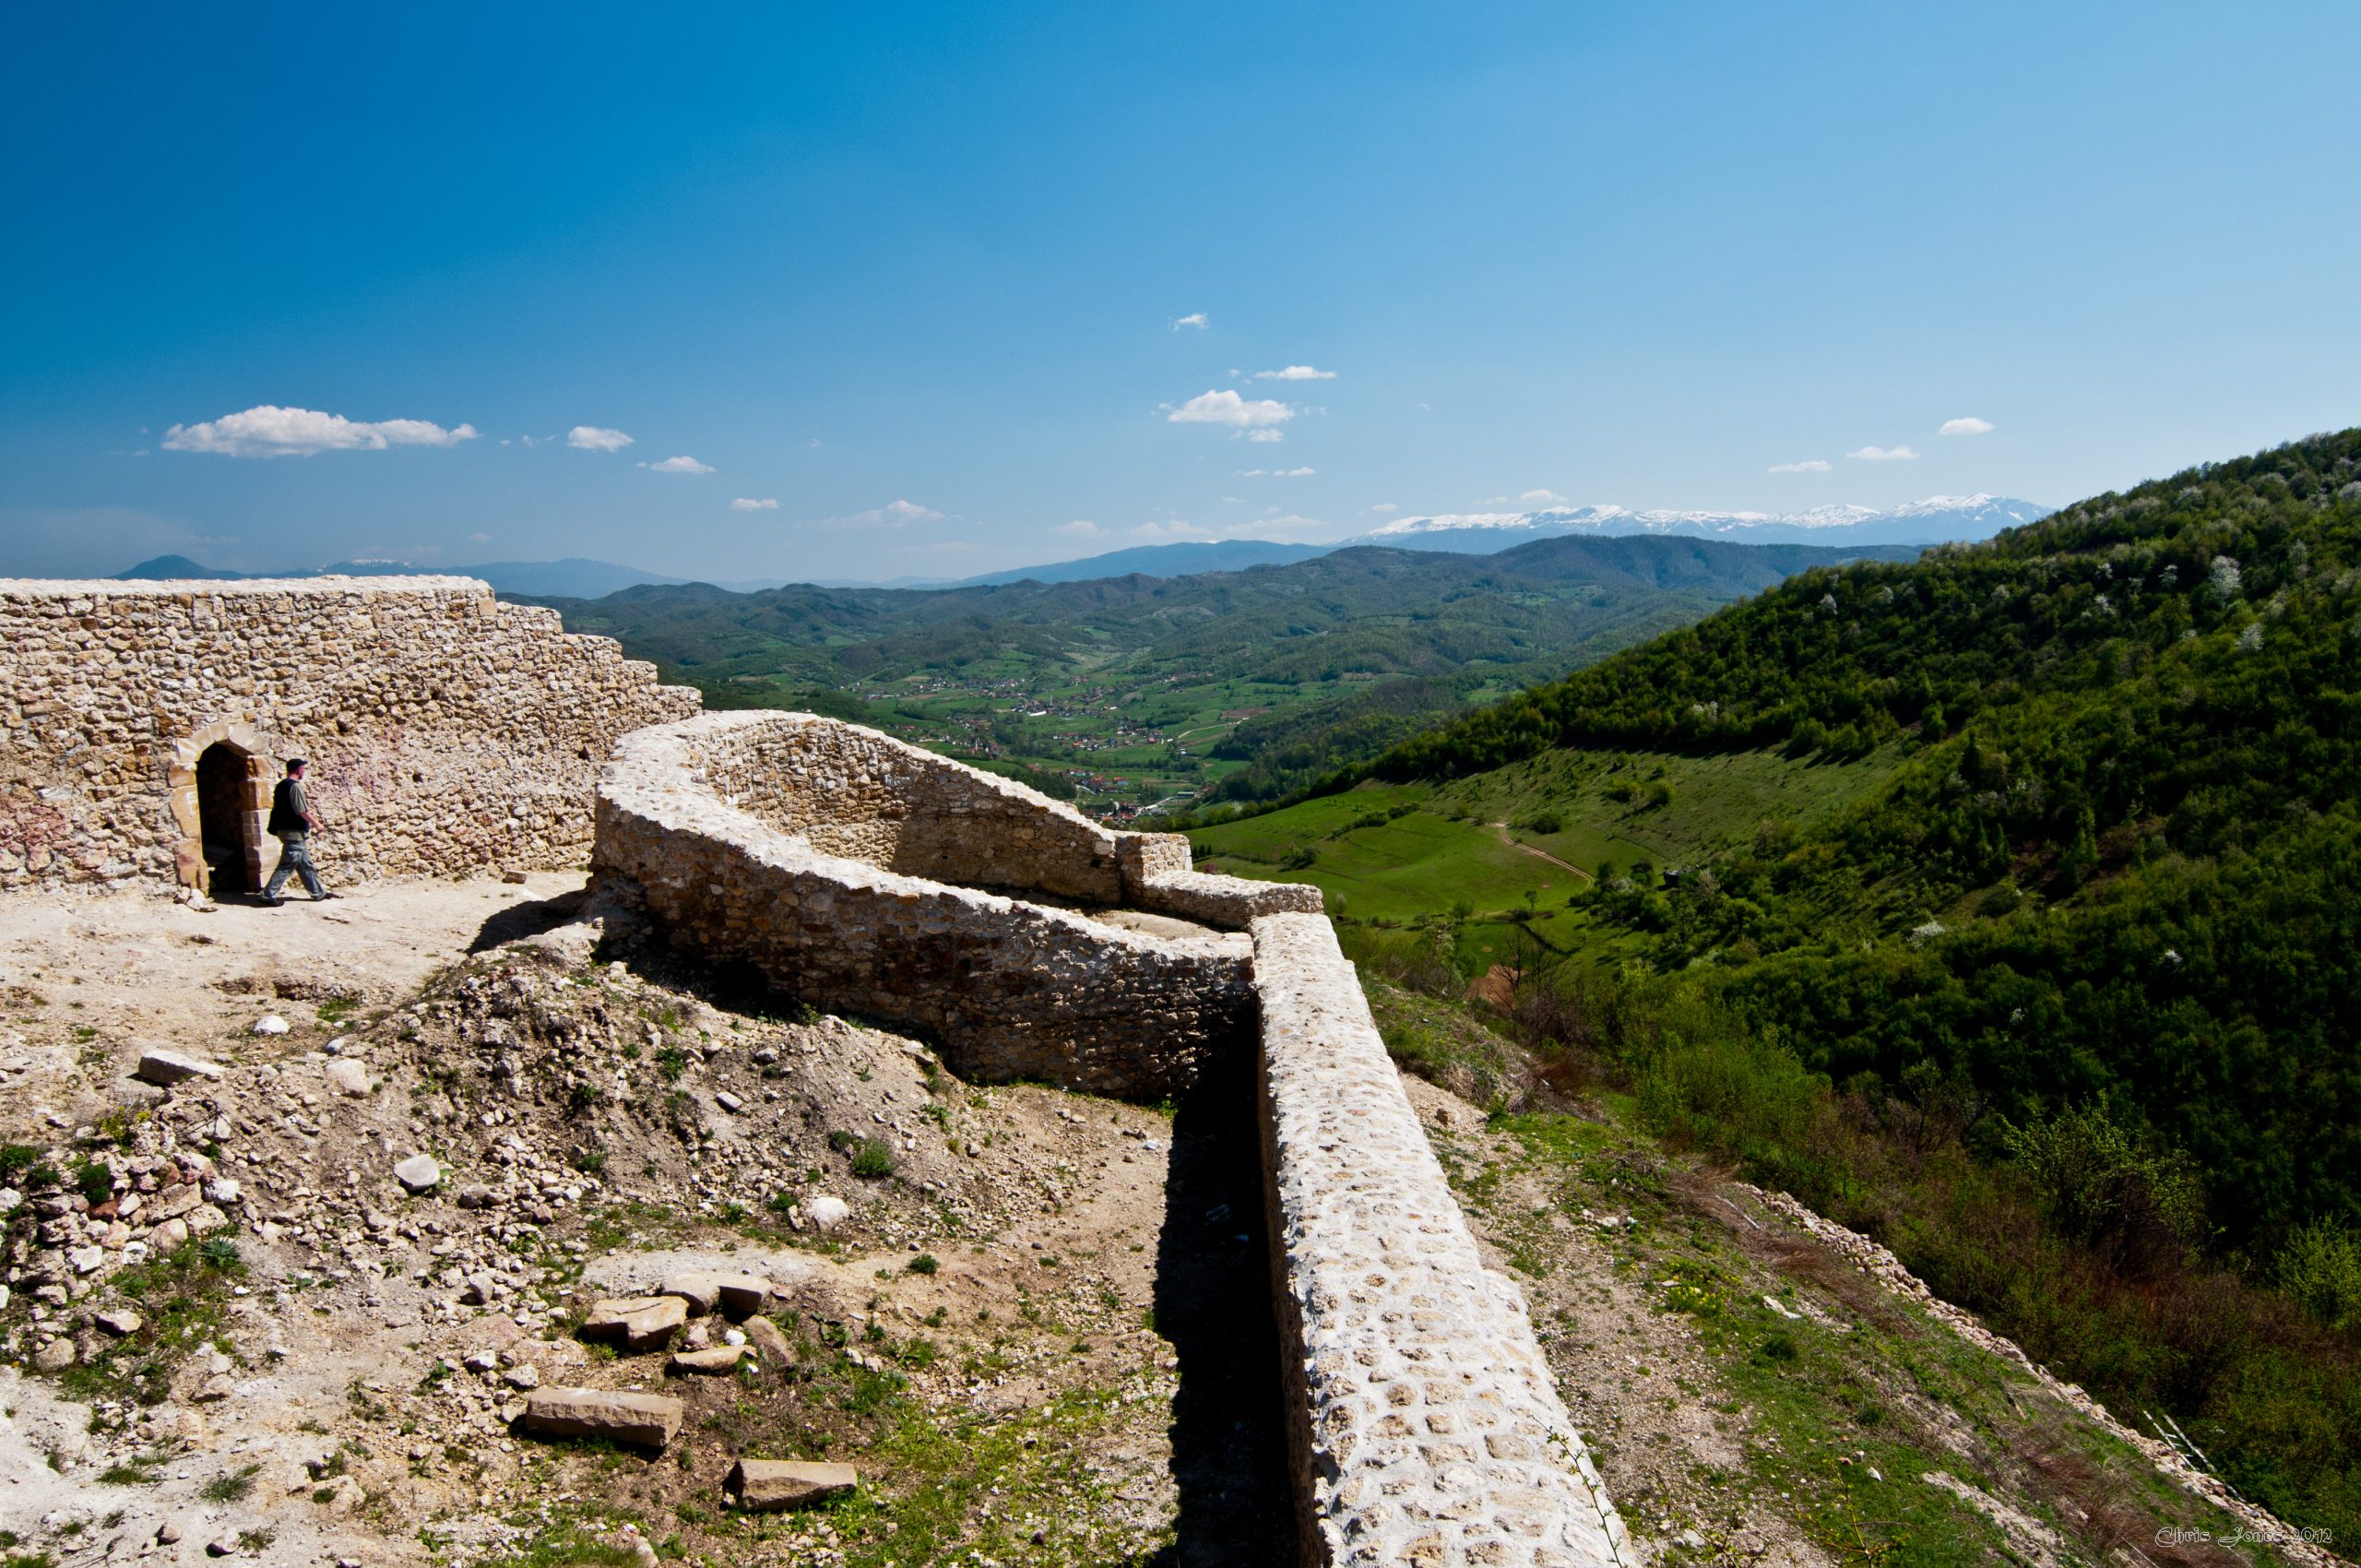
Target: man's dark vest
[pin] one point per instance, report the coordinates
(284, 818)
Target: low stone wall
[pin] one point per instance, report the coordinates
(861, 795)
(449, 732)
(1425, 1426)
(1007, 987)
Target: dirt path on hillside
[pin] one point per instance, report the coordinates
(1502, 831)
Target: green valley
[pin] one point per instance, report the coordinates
(2000, 904)
(1133, 694)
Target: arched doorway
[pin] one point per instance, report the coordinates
(225, 822)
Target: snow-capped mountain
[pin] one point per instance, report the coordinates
(1935, 520)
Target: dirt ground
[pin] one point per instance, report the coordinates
(1043, 1336)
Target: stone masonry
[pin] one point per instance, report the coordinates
(449, 732)
(781, 840)
(1424, 1425)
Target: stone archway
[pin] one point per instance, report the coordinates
(218, 784)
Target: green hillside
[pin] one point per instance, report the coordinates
(2038, 959)
(1233, 685)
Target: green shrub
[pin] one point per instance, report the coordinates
(2320, 1270)
(871, 1159)
(96, 1181)
(2101, 1184)
(925, 1262)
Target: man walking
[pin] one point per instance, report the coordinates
(290, 823)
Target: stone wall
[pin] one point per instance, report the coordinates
(1424, 1424)
(731, 865)
(861, 795)
(449, 732)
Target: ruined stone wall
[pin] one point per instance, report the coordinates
(857, 793)
(864, 796)
(1007, 988)
(449, 732)
(1424, 1424)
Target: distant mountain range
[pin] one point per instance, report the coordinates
(574, 577)
(1161, 561)
(1940, 519)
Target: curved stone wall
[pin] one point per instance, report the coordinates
(732, 866)
(1424, 1424)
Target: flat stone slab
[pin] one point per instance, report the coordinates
(352, 1080)
(643, 1420)
(705, 1290)
(169, 1067)
(636, 1323)
(420, 1173)
(709, 1363)
(765, 1486)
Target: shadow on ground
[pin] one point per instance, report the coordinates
(1213, 1305)
(531, 918)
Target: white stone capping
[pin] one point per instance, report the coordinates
(1426, 1428)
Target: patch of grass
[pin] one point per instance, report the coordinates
(873, 1159)
(925, 1262)
(231, 1486)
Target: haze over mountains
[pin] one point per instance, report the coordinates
(1937, 520)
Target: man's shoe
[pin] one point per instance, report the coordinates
(273, 903)
(322, 897)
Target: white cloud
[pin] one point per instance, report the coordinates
(1289, 522)
(1264, 434)
(1081, 527)
(749, 504)
(1542, 498)
(1296, 372)
(1968, 426)
(1195, 318)
(681, 465)
(595, 438)
(480, 538)
(1273, 473)
(1385, 506)
(268, 430)
(1808, 465)
(1883, 453)
(1224, 406)
(893, 515)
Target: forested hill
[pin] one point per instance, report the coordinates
(2057, 996)
(1376, 610)
(2120, 862)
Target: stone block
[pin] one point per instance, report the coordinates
(764, 1486)
(637, 1324)
(640, 1420)
(169, 1067)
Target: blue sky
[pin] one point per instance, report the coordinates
(913, 274)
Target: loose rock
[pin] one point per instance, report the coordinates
(169, 1067)
(644, 1420)
(769, 1485)
(637, 1323)
(420, 1173)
